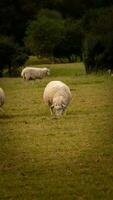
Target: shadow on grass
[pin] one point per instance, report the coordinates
(23, 116)
(47, 116)
(5, 116)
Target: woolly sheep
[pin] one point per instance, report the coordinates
(33, 73)
(110, 71)
(2, 98)
(57, 95)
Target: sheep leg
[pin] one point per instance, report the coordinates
(51, 111)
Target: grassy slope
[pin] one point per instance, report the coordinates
(57, 159)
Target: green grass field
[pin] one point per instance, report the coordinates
(69, 158)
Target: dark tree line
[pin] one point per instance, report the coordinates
(56, 28)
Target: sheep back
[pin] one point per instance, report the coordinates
(34, 73)
(56, 88)
(2, 97)
(57, 94)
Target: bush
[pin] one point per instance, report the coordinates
(12, 56)
(44, 33)
(98, 43)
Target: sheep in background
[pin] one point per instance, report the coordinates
(110, 71)
(32, 73)
(57, 95)
(2, 98)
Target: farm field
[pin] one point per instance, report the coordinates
(48, 158)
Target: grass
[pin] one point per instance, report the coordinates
(69, 158)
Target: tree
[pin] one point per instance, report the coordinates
(71, 44)
(44, 33)
(98, 42)
(14, 16)
(12, 55)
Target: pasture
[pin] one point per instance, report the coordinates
(69, 158)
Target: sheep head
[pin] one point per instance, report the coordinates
(58, 106)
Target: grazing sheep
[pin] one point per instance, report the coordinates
(32, 73)
(110, 71)
(2, 98)
(57, 95)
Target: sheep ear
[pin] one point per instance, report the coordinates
(52, 106)
(63, 105)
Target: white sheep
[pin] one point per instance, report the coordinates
(32, 73)
(2, 98)
(110, 71)
(57, 95)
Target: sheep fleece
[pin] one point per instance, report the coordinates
(34, 73)
(2, 97)
(57, 92)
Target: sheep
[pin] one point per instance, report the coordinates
(32, 73)
(2, 98)
(58, 96)
(110, 71)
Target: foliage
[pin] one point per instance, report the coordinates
(61, 28)
(44, 33)
(11, 55)
(49, 35)
(71, 44)
(14, 16)
(98, 42)
(6, 52)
